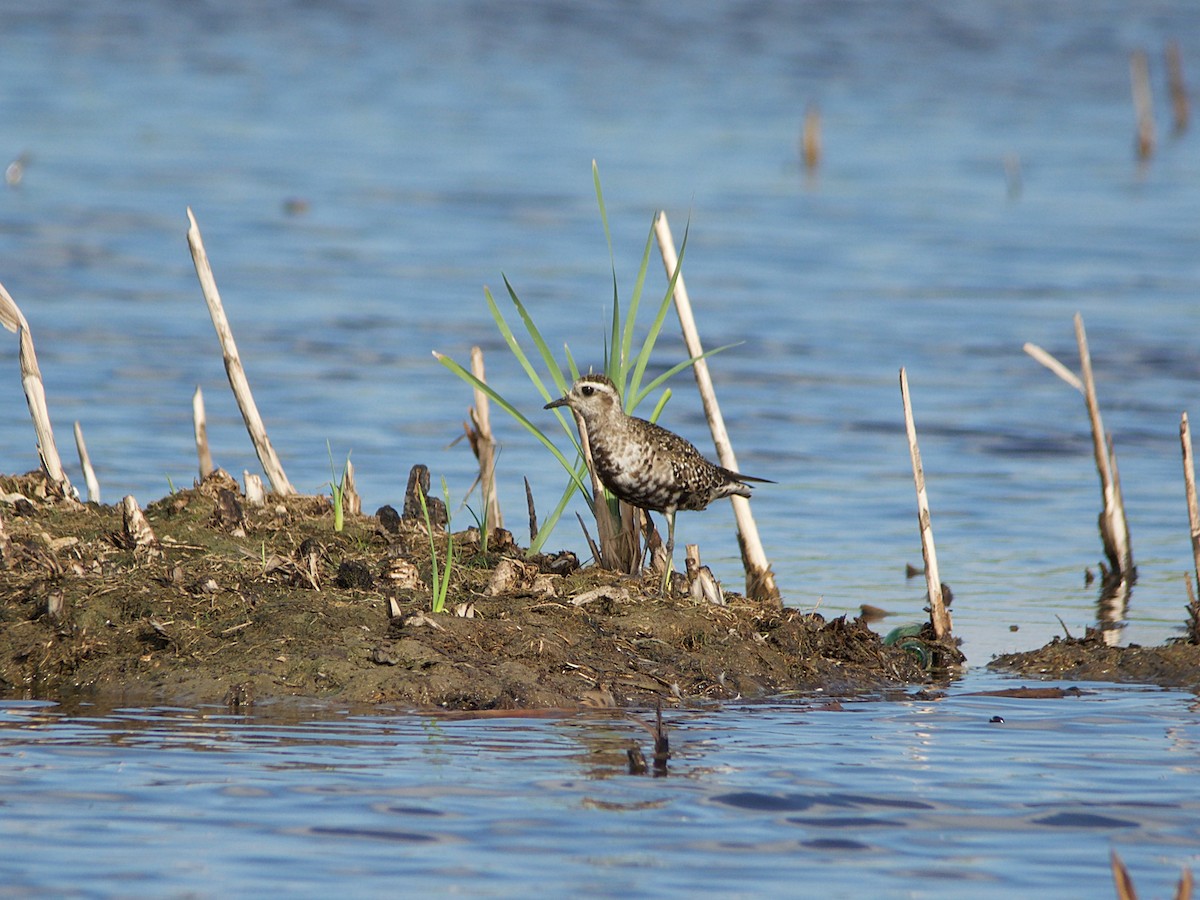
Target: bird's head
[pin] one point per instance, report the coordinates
(592, 396)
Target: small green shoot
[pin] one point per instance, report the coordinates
(170, 485)
(337, 487)
(439, 581)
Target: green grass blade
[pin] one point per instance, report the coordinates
(536, 336)
(549, 524)
(652, 336)
(677, 368)
(515, 413)
(614, 361)
(658, 407)
(511, 340)
(571, 364)
(634, 302)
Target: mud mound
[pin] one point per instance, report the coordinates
(234, 603)
(1089, 658)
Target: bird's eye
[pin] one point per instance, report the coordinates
(587, 390)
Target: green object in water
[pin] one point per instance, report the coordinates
(907, 638)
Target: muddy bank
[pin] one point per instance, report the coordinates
(233, 603)
(1089, 658)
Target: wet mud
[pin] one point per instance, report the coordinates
(236, 604)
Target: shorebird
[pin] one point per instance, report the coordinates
(644, 464)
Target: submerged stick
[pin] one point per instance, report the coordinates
(13, 319)
(939, 616)
(1189, 483)
(1143, 106)
(484, 445)
(85, 463)
(233, 364)
(1114, 528)
(200, 426)
(760, 580)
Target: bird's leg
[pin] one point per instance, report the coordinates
(670, 515)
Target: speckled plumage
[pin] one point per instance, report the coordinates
(642, 463)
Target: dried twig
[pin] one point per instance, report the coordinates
(85, 463)
(939, 616)
(233, 364)
(1054, 366)
(760, 580)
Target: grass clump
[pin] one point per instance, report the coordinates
(625, 363)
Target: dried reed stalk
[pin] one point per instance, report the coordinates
(1114, 528)
(1180, 106)
(138, 533)
(255, 495)
(13, 319)
(760, 580)
(1143, 105)
(483, 444)
(85, 463)
(1189, 483)
(233, 364)
(200, 426)
(351, 502)
(810, 139)
(939, 616)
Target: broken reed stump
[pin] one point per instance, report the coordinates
(233, 364)
(939, 615)
(13, 319)
(760, 580)
(85, 463)
(483, 445)
(1180, 105)
(1114, 527)
(1189, 483)
(1143, 105)
(200, 427)
(351, 501)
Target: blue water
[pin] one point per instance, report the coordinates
(437, 147)
(915, 798)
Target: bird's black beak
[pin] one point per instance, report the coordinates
(561, 401)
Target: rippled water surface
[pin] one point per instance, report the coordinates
(361, 170)
(878, 798)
